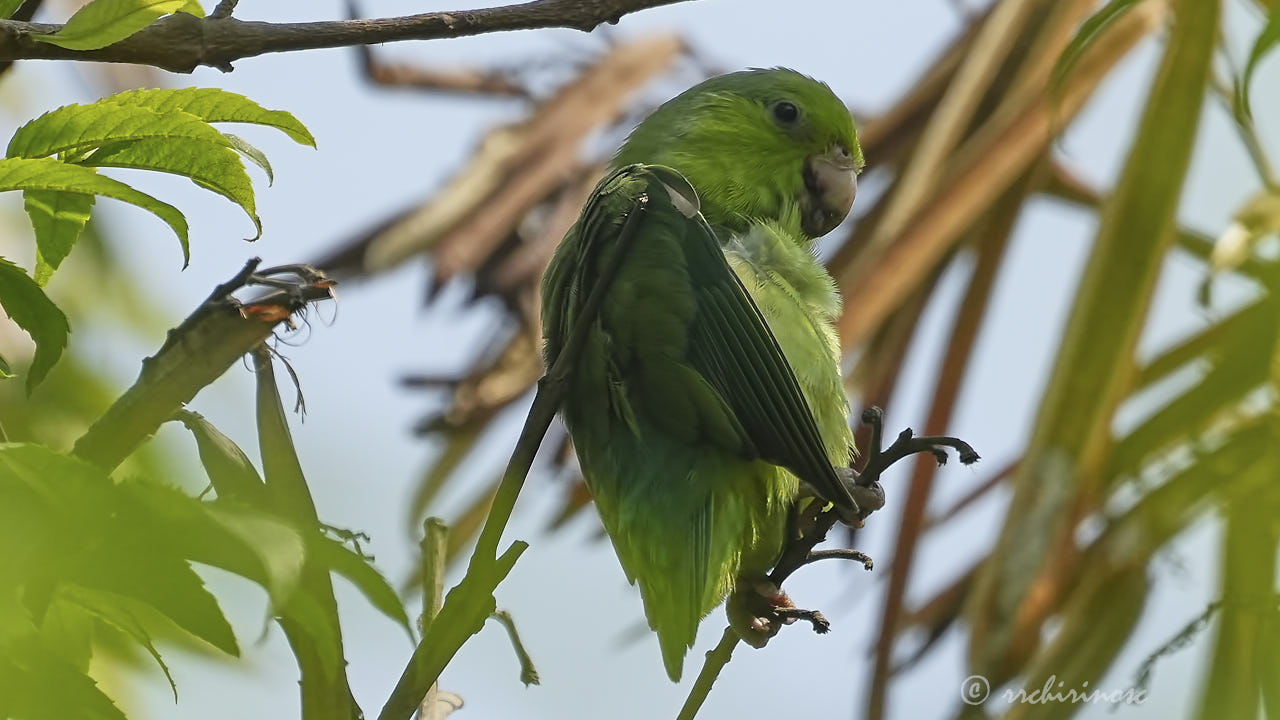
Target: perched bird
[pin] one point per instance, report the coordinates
(707, 397)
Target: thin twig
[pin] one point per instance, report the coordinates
(471, 601)
(224, 9)
(435, 538)
(528, 673)
(182, 42)
(716, 660)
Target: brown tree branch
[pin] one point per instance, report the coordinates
(183, 42)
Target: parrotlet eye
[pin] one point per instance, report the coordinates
(786, 112)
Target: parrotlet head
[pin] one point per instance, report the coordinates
(757, 144)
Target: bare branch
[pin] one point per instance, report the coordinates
(182, 42)
(224, 9)
(194, 354)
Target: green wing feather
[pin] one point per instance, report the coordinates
(730, 344)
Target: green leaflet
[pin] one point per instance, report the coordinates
(233, 536)
(115, 611)
(213, 105)
(9, 7)
(58, 219)
(103, 22)
(49, 174)
(27, 305)
(1089, 30)
(342, 560)
(211, 166)
(1265, 43)
(67, 631)
(66, 522)
(158, 130)
(75, 129)
(275, 544)
(233, 475)
(252, 154)
(5, 371)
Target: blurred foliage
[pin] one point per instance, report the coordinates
(97, 554)
(964, 152)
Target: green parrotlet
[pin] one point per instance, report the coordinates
(707, 399)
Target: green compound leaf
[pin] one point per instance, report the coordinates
(103, 22)
(211, 166)
(213, 105)
(75, 129)
(58, 218)
(27, 305)
(48, 174)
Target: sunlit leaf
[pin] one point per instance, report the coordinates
(211, 166)
(58, 218)
(216, 106)
(192, 7)
(27, 305)
(77, 128)
(103, 22)
(49, 174)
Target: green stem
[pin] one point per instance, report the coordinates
(471, 601)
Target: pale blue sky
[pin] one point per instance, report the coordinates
(381, 150)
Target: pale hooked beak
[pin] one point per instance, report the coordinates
(831, 184)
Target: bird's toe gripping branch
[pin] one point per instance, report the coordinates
(759, 608)
(906, 444)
